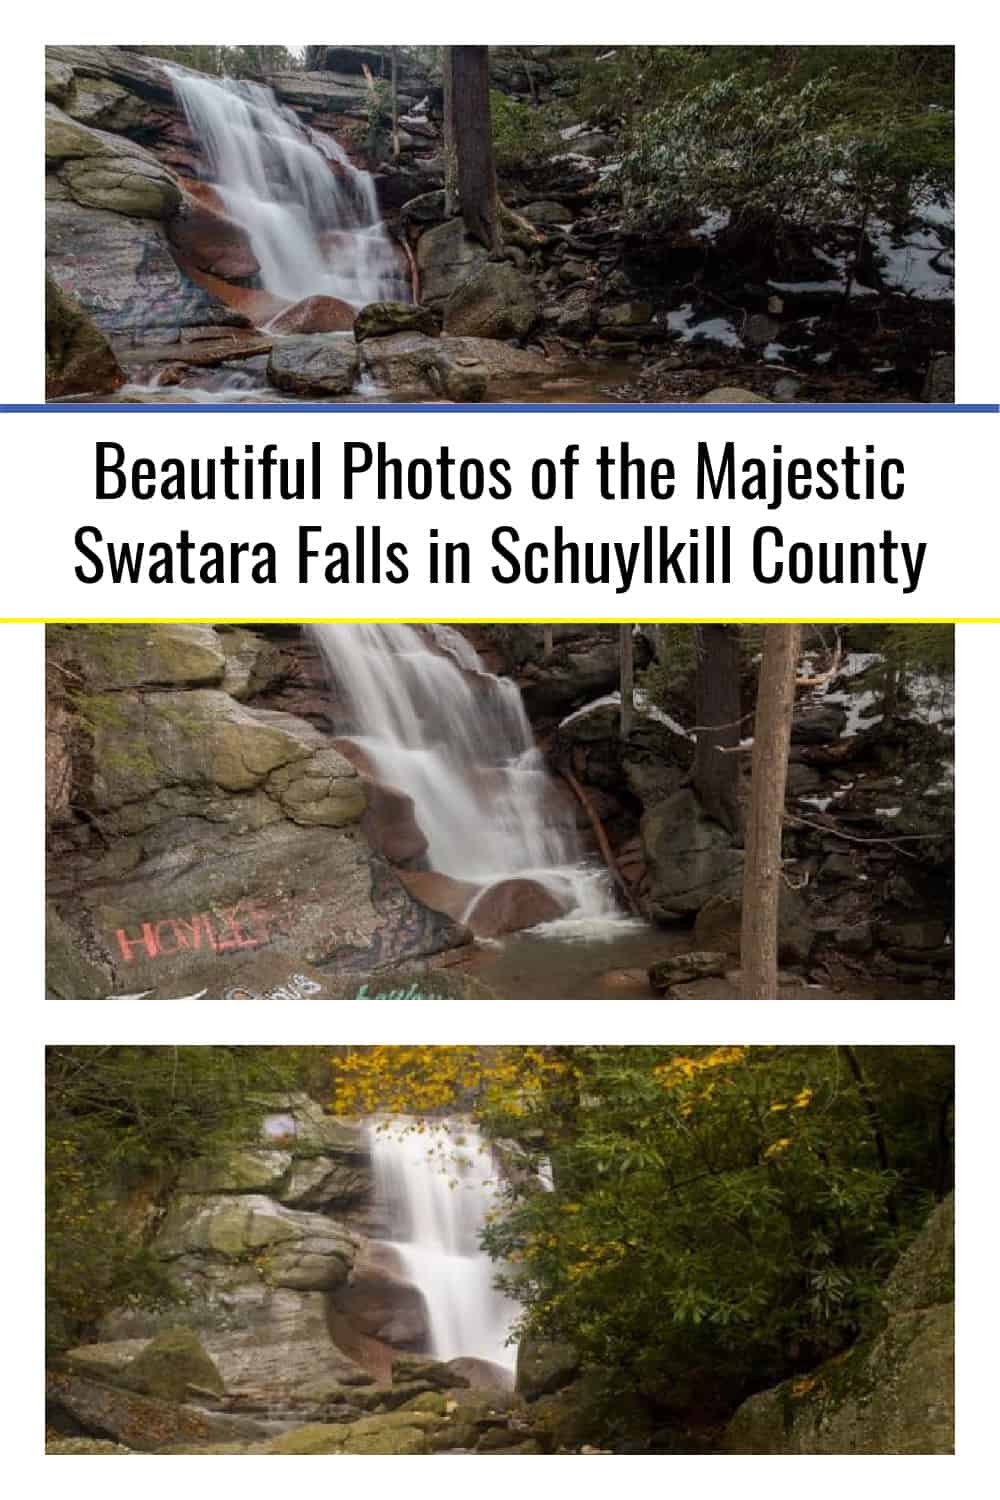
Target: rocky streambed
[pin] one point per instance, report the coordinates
(165, 284)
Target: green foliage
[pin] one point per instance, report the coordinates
(785, 138)
(721, 1217)
(120, 1122)
(523, 136)
(929, 648)
(230, 62)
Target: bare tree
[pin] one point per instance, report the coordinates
(762, 868)
(626, 665)
(718, 725)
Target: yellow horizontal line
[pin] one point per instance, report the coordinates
(507, 620)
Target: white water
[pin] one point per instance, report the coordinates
(311, 216)
(438, 1186)
(434, 723)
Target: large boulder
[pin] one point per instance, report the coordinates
(173, 1366)
(144, 1423)
(108, 171)
(380, 1302)
(314, 365)
(415, 367)
(544, 1366)
(377, 319)
(682, 968)
(447, 257)
(230, 856)
(578, 672)
(689, 857)
(894, 1391)
(497, 302)
(314, 315)
(304, 1251)
(79, 361)
(512, 906)
(211, 242)
(718, 925)
(150, 655)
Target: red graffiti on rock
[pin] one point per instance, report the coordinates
(221, 931)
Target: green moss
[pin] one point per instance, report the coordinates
(171, 1365)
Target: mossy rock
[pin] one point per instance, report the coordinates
(434, 1402)
(315, 1437)
(78, 1446)
(377, 319)
(544, 1366)
(409, 1369)
(171, 1365)
(398, 1440)
(453, 1436)
(894, 1391)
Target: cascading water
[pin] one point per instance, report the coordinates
(433, 722)
(311, 216)
(437, 1187)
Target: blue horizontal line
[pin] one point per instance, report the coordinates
(584, 407)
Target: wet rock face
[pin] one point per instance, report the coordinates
(230, 855)
(123, 273)
(380, 1303)
(893, 1392)
(211, 242)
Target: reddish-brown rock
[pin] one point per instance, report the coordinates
(258, 307)
(440, 892)
(315, 315)
(380, 1302)
(209, 241)
(391, 826)
(512, 906)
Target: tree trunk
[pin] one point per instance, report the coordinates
(449, 143)
(547, 642)
(762, 867)
(717, 724)
(469, 125)
(626, 659)
(395, 103)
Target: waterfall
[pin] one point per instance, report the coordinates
(311, 216)
(433, 722)
(437, 1185)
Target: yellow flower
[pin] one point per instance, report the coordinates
(777, 1147)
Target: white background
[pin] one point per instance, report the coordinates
(944, 454)
(46, 493)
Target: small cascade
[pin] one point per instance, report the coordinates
(434, 723)
(311, 216)
(437, 1186)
